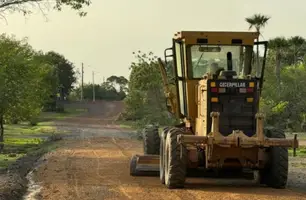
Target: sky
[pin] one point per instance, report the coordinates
(105, 39)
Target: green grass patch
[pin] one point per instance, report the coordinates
(26, 130)
(6, 160)
(15, 148)
(69, 112)
(300, 152)
(127, 124)
(23, 139)
(301, 137)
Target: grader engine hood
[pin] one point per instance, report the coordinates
(237, 103)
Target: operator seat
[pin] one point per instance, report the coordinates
(229, 73)
(215, 70)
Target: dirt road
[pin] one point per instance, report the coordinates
(94, 167)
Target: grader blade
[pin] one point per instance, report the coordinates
(144, 165)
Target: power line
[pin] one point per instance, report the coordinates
(82, 95)
(93, 87)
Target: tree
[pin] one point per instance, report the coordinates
(24, 6)
(278, 46)
(23, 81)
(145, 101)
(118, 80)
(297, 50)
(289, 104)
(258, 21)
(64, 70)
(282, 96)
(104, 91)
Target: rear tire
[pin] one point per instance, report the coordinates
(151, 140)
(162, 154)
(275, 174)
(175, 165)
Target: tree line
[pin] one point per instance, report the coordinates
(29, 80)
(282, 97)
(33, 81)
(284, 87)
(113, 89)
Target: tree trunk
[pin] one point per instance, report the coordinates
(257, 63)
(295, 54)
(1, 132)
(277, 70)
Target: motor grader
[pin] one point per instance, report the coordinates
(216, 93)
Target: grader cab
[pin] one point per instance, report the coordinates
(216, 93)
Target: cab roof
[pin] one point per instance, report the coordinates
(217, 37)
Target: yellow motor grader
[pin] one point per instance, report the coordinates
(216, 93)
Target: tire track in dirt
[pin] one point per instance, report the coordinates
(71, 177)
(122, 149)
(142, 189)
(98, 163)
(185, 195)
(127, 156)
(181, 195)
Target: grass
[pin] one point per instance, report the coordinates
(27, 130)
(300, 152)
(51, 116)
(15, 148)
(22, 139)
(126, 124)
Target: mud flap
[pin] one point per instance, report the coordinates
(144, 165)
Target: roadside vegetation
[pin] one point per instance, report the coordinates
(34, 87)
(24, 139)
(113, 89)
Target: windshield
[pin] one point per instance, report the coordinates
(211, 58)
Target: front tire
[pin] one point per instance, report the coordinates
(275, 174)
(175, 165)
(151, 140)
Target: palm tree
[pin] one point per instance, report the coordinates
(298, 50)
(257, 21)
(279, 47)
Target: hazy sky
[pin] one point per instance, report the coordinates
(105, 39)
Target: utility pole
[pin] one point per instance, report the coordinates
(93, 87)
(82, 82)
